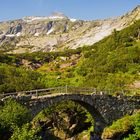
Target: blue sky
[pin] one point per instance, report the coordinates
(79, 9)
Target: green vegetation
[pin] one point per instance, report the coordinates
(114, 62)
(12, 117)
(126, 125)
(26, 133)
(12, 113)
(17, 79)
(63, 120)
(136, 129)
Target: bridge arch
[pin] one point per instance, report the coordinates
(38, 104)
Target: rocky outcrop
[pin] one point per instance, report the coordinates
(1, 32)
(2, 38)
(14, 29)
(58, 32)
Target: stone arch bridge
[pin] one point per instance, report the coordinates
(103, 107)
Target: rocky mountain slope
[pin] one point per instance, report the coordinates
(58, 32)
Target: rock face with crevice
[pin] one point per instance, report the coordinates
(58, 32)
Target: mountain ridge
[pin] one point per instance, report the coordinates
(58, 32)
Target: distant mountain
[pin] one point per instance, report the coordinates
(57, 32)
(53, 16)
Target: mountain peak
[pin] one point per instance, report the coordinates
(58, 15)
(135, 13)
(136, 9)
(54, 15)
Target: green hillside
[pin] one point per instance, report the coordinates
(114, 63)
(111, 64)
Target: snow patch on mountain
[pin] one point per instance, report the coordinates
(73, 19)
(10, 35)
(50, 31)
(53, 16)
(18, 34)
(36, 34)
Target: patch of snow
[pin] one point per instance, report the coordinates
(18, 34)
(73, 19)
(36, 34)
(30, 19)
(55, 17)
(50, 31)
(13, 35)
(10, 35)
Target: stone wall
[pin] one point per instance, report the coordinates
(104, 108)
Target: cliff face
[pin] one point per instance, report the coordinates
(58, 32)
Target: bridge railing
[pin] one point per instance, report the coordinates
(41, 92)
(63, 89)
